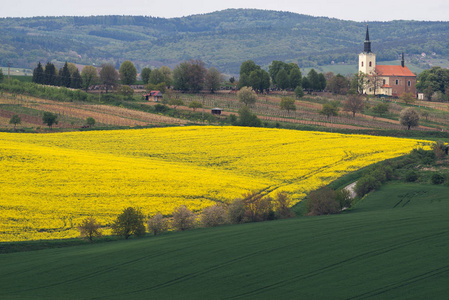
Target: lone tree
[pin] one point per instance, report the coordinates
(129, 222)
(15, 120)
(380, 108)
(90, 121)
(195, 104)
(299, 92)
(409, 117)
(50, 119)
(408, 98)
(175, 102)
(128, 72)
(90, 228)
(247, 95)
(353, 104)
(329, 109)
(288, 104)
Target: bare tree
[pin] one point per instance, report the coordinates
(90, 228)
(353, 104)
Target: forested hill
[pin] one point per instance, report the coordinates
(222, 39)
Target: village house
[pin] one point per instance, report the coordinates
(385, 79)
(154, 95)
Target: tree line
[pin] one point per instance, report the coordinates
(251, 207)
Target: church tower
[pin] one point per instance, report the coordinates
(367, 59)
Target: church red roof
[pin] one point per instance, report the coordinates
(394, 71)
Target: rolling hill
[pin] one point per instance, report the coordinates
(392, 245)
(221, 39)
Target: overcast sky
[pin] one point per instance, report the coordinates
(384, 10)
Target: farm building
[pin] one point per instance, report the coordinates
(216, 111)
(154, 95)
(385, 79)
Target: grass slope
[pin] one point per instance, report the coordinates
(393, 245)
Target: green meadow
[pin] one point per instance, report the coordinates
(392, 245)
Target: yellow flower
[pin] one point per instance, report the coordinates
(50, 182)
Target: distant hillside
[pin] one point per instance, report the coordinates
(222, 39)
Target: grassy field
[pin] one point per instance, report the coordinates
(392, 245)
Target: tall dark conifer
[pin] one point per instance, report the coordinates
(38, 74)
(76, 80)
(50, 74)
(64, 76)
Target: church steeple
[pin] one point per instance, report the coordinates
(367, 45)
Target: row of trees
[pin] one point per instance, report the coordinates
(252, 207)
(68, 76)
(280, 75)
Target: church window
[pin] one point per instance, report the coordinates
(362, 63)
(384, 82)
(409, 83)
(370, 64)
(397, 82)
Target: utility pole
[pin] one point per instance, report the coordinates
(9, 66)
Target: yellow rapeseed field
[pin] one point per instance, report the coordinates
(50, 182)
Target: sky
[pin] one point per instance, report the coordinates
(356, 10)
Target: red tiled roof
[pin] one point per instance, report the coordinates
(394, 71)
(386, 86)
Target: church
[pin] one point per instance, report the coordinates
(385, 80)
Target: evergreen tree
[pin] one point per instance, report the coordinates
(38, 74)
(50, 74)
(76, 80)
(64, 76)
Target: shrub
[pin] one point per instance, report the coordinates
(129, 222)
(425, 157)
(437, 178)
(160, 108)
(183, 218)
(236, 211)
(89, 228)
(282, 205)
(343, 197)
(439, 148)
(322, 202)
(257, 207)
(411, 176)
(157, 224)
(365, 185)
(214, 215)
